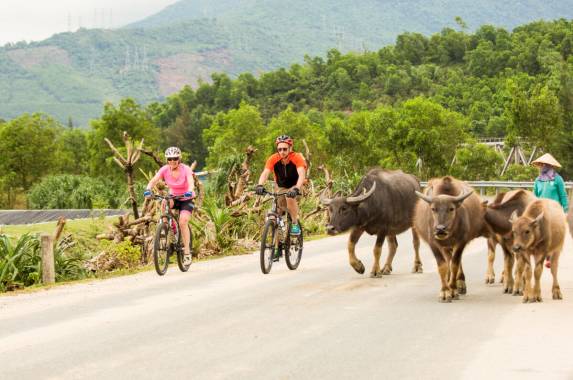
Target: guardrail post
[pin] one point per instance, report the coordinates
(48, 266)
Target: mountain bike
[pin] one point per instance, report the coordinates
(168, 239)
(276, 238)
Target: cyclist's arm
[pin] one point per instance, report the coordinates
(301, 170)
(154, 180)
(264, 176)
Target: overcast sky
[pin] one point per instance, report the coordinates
(39, 19)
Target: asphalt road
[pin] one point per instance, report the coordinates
(226, 320)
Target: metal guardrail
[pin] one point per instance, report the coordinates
(497, 185)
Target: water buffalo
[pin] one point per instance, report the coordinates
(539, 232)
(497, 216)
(448, 217)
(381, 205)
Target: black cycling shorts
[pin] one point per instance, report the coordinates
(183, 205)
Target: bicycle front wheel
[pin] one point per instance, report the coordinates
(180, 252)
(161, 248)
(268, 246)
(293, 249)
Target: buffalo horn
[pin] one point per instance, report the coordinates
(462, 196)
(325, 201)
(362, 197)
(425, 197)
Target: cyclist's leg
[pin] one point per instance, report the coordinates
(292, 206)
(185, 211)
(281, 201)
(184, 217)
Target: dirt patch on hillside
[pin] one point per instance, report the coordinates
(183, 69)
(44, 55)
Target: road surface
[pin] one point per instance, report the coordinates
(226, 320)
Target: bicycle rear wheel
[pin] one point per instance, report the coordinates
(161, 248)
(268, 246)
(180, 252)
(293, 248)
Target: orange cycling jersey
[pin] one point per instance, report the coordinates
(286, 175)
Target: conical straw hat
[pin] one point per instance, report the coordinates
(547, 159)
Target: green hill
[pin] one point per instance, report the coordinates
(70, 75)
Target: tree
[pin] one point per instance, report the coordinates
(536, 115)
(28, 149)
(128, 117)
(232, 132)
(476, 162)
(428, 131)
(72, 153)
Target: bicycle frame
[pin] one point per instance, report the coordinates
(274, 212)
(166, 212)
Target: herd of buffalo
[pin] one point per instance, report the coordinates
(447, 215)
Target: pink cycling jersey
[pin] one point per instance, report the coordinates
(179, 185)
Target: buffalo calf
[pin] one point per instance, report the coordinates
(539, 233)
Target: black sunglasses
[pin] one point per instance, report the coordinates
(172, 158)
(282, 149)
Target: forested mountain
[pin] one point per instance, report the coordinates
(70, 75)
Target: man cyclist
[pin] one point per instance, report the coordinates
(289, 169)
(179, 178)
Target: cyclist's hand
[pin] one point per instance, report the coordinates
(147, 193)
(292, 193)
(189, 194)
(260, 190)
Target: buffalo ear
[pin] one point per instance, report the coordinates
(537, 220)
(513, 217)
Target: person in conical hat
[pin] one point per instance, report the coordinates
(549, 184)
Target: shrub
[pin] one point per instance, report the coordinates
(520, 173)
(75, 191)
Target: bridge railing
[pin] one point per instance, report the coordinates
(504, 185)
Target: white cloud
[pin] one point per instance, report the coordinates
(39, 19)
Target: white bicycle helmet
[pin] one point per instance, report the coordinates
(173, 152)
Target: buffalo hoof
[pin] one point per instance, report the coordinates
(461, 287)
(490, 279)
(376, 274)
(387, 269)
(417, 268)
(445, 296)
(517, 292)
(508, 289)
(531, 299)
(359, 267)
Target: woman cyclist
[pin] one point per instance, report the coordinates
(179, 178)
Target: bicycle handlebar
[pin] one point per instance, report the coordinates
(167, 197)
(276, 194)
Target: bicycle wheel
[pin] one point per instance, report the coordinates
(161, 248)
(268, 246)
(180, 256)
(293, 249)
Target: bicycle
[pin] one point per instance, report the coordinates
(168, 237)
(276, 238)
